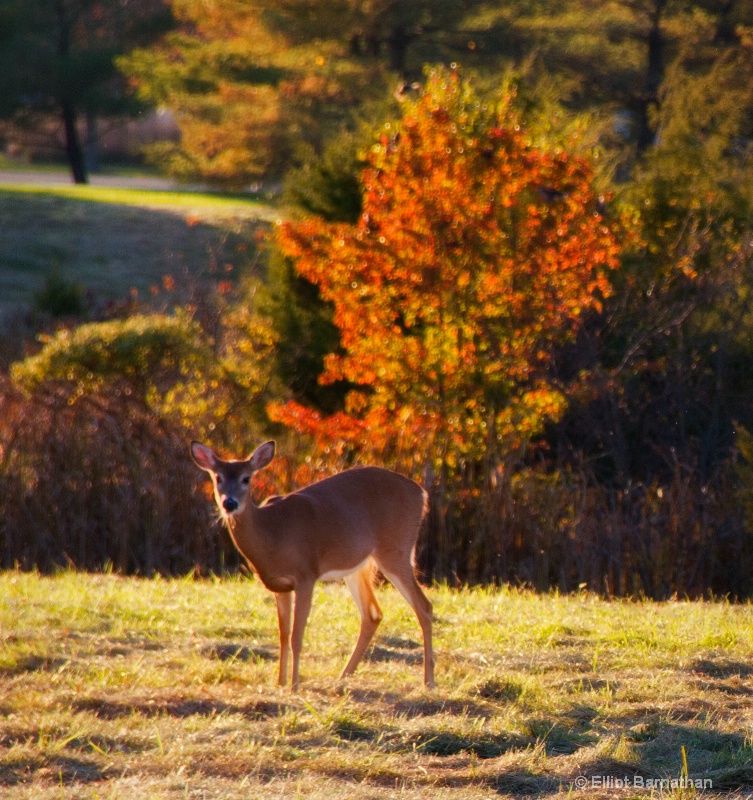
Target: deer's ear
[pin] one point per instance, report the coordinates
(263, 454)
(203, 456)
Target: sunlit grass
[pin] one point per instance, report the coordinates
(207, 206)
(129, 688)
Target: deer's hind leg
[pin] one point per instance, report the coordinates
(361, 585)
(403, 578)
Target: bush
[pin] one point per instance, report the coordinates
(148, 351)
(94, 432)
(561, 531)
(60, 297)
(97, 482)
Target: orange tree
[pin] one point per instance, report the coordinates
(476, 255)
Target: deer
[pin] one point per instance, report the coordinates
(344, 526)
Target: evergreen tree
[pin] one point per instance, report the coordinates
(252, 82)
(58, 60)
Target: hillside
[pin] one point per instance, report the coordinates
(114, 240)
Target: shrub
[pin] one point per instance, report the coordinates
(60, 297)
(94, 439)
(149, 352)
(97, 481)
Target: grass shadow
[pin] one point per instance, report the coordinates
(433, 706)
(181, 708)
(657, 745)
(33, 663)
(110, 248)
(230, 651)
(396, 648)
(61, 769)
(446, 743)
(520, 782)
(721, 668)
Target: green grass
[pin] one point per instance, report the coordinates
(114, 240)
(125, 688)
(212, 206)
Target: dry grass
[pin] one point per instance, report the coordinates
(125, 688)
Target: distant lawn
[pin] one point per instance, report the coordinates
(116, 240)
(133, 689)
(212, 206)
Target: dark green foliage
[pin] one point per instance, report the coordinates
(329, 185)
(744, 469)
(306, 334)
(57, 61)
(60, 297)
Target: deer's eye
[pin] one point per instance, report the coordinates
(245, 480)
(218, 478)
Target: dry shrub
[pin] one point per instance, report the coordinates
(98, 481)
(563, 531)
(678, 538)
(509, 531)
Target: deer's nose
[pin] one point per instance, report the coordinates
(230, 504)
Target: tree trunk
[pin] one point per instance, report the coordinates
(73, 148)
(726, 30)
(397, 45)
(654, 78)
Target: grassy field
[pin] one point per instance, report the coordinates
(114, 240)
(127, 688)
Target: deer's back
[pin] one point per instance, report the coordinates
(370, 487)
(370, 499)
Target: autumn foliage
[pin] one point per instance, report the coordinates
(476, 254)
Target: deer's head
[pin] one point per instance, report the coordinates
(232, 479)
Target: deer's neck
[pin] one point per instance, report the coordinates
(246, 532)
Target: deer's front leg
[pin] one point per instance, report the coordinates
(284, 619)
(303, 594)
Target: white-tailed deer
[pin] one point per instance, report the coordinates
(340, 527)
